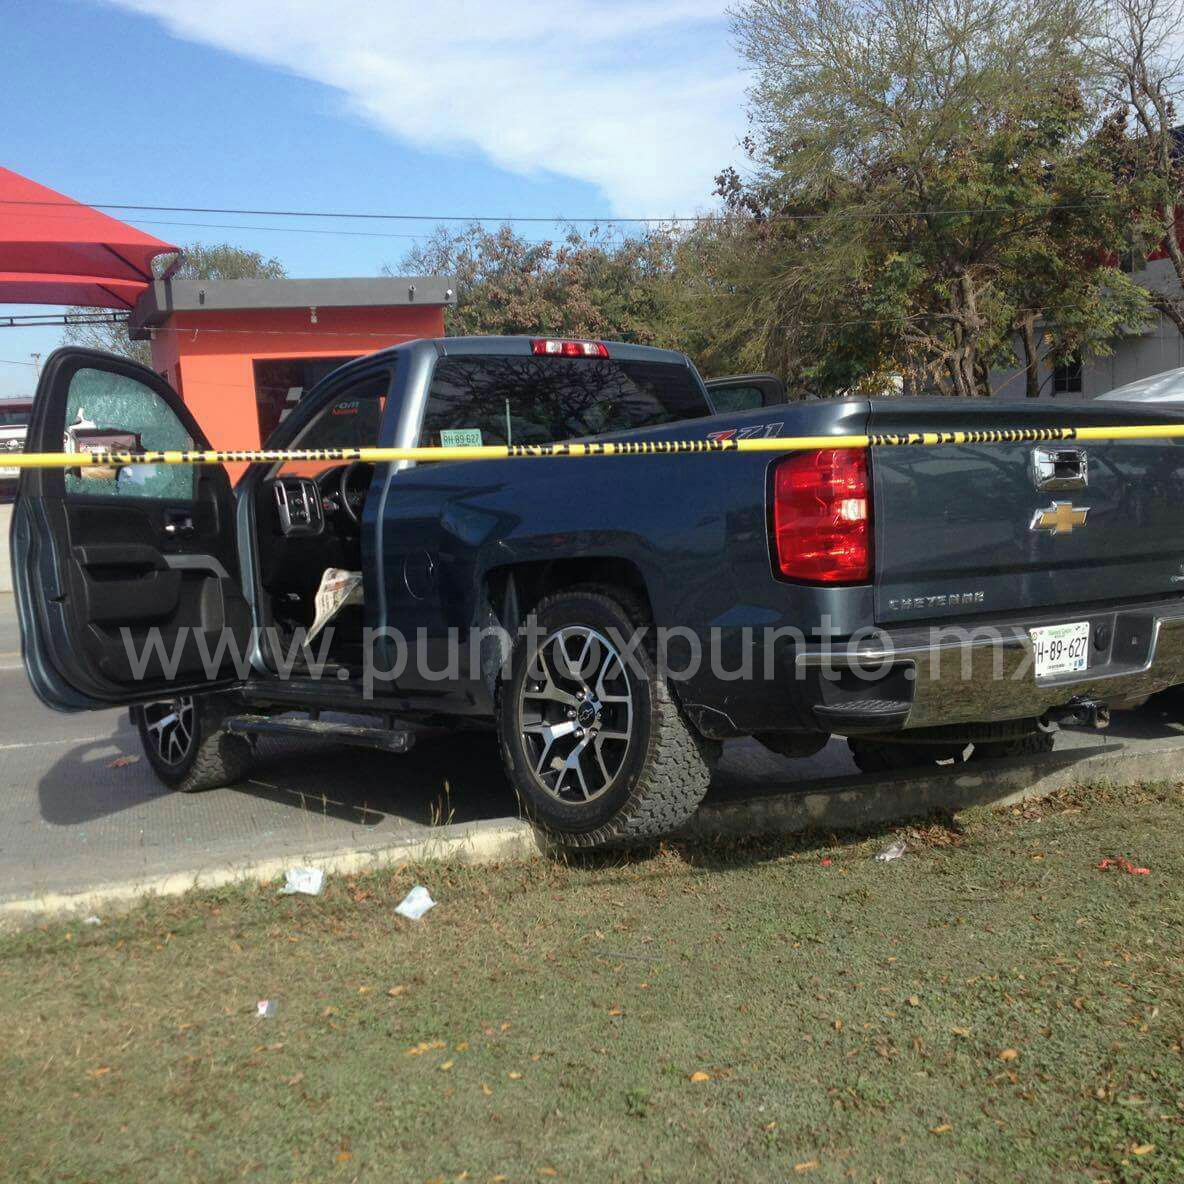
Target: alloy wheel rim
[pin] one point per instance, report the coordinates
(169, 725)
(575, 714)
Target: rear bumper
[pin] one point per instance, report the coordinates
(983, 672)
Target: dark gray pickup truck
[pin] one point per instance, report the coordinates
(614, 618)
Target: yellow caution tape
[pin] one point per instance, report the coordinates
(74, 460)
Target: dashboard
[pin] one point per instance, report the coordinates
(307, 506)
(308, 524)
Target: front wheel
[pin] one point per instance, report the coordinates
(187, 745)
(591, 738)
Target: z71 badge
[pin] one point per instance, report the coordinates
(756, 432)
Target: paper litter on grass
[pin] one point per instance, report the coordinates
(415, 903)
(305, 880)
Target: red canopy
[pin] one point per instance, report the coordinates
(55, 250)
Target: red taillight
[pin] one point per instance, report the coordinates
(569, 349)
(822, 516)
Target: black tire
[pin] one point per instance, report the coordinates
(209, 758)
(652, 786)
(1031, 745)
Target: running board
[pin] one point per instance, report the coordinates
(397, 739)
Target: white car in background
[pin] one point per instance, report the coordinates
(1167, 387)
(14, 423)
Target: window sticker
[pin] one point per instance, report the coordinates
(460, 438)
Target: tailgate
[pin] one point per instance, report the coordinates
(995, 528)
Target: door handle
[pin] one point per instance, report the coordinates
(1060, 468)
(178, 523)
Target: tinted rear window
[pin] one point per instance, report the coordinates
(517, 400)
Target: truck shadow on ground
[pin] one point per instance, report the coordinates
(82, 786)
(453, 778)
(1161, 717)
(457, 778)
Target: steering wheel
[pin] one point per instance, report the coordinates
(355, 481)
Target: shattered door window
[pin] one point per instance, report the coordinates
(108, 412)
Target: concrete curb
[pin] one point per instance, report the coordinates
(844, 804)
(490, 842)
(864, 802)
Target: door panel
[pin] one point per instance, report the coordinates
(128, 587)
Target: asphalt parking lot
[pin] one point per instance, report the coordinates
(72, 818)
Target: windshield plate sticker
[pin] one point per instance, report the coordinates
(460, 438)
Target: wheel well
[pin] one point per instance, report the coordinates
(514, 590)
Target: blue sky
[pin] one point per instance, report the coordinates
(514, 107)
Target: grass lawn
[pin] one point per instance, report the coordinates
(993, 1006)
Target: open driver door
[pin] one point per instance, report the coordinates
(127, 579)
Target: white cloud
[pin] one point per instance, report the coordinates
(643, 98)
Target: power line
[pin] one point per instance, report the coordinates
(562, 220)
(335, 230)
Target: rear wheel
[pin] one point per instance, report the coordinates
(592, 740)
(187, 745)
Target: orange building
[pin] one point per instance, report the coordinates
(242, 352)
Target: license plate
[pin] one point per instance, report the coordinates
(1060, 649)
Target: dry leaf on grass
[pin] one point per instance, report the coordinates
(808, 1166)
(1009, 1054)
(941, 1129)
(699, 1075)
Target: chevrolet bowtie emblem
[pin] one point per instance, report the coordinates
(1059, 518)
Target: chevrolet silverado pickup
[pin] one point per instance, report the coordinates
(613, 618)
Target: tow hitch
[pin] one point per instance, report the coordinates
(1081, 713)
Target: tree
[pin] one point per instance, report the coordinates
(652, 288)
(918, 192)
(1070, 298)
(199, 261)
(1138, 56)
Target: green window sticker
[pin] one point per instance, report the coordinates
(460, 438)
